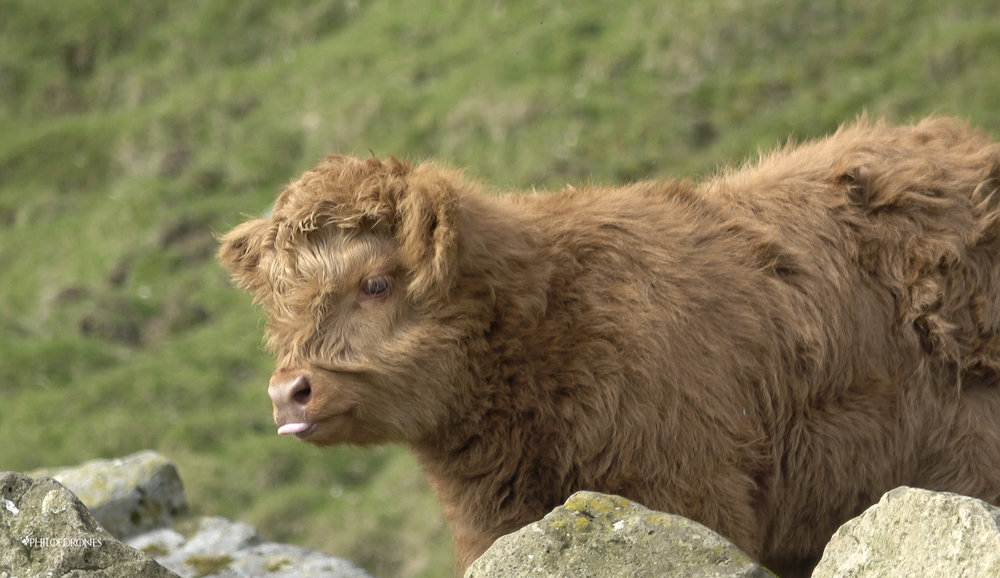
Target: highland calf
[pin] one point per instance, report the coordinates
(766, 352)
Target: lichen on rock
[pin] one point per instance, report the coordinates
(601, 535)
(46, 531)
(128, 496)
(914, 532)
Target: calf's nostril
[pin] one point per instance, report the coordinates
(290, 393)
(301, 390)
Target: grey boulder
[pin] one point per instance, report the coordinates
(128, 496)
(46, 531)
(217, 547)
(600, 535)
(913, 532)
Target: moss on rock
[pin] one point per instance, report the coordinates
(595, 534)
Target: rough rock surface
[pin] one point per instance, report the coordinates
(221, 548)
(135, 498)
(608, 536)
(134, 494)
(46, 531)
(913, 532)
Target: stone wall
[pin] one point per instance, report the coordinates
(127, 517)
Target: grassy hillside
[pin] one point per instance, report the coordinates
(131, 131)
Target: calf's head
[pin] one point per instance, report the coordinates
(354, 268)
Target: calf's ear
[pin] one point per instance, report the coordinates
(240, 252)
(426, 229)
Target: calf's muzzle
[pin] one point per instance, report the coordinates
(290, 395)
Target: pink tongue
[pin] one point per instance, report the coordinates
(292, 428)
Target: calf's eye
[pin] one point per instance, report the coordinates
(376, 286)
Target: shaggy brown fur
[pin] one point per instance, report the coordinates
(766, 352)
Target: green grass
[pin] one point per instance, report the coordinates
(130, 132)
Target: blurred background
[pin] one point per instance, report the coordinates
(132, 132)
